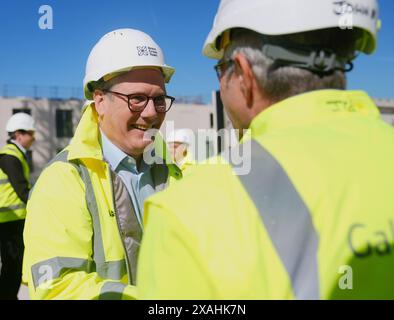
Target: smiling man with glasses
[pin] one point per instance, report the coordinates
(86, 212)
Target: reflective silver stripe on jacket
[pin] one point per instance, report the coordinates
(98, 249)
(13, 208)
(106, 270)
(53, 268)
(112, 291)
(4, 181)
(286, 219)
(129, 229)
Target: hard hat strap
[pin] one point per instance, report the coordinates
(321, 62)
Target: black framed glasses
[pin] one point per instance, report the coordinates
(137, 102)
(222, 67)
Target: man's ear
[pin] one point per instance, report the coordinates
(245, 74)
(98, 97)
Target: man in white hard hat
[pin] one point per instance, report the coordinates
(179, 143)
(313, 217)
(85, 214)
(14, 191)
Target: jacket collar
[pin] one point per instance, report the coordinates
(19, 146)
(86, 140)
(313, 107)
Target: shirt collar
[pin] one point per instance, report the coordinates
(112, 154)
(116, 157)
(19, 146)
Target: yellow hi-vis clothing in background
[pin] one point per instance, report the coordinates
(82, 235)
(11, 206)
(314, 217)
(186, 163)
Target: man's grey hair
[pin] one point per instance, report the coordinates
(280, 83)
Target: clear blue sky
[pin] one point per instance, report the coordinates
(31, 56)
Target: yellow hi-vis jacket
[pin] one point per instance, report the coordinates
(313, 218)
(11, 206)
(81, 234)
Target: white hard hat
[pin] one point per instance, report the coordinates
(180, 135)
(120, 51)
(20, 121)
(281, 17)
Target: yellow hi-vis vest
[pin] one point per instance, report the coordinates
(310, 215)
(11, 206)
(81, 233)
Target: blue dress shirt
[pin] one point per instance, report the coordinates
(138, 181)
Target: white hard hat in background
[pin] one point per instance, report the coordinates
(180, 135)
(280, 17)
(20, 121)
(120, 51)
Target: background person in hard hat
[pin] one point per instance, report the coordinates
(179, 143)
(14, 191)
(313, 216)
(83, 228)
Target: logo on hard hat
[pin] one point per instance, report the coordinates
(343, 7)
(146, 50)
(152, 51)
